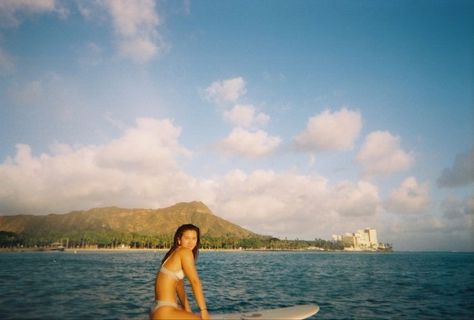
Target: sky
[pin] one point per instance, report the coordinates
(296, 119)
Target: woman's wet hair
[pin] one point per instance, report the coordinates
(177, 236)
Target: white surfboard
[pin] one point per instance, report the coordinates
(290, 313)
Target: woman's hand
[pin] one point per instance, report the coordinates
(205, 314)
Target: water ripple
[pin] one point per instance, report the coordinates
(53, 285)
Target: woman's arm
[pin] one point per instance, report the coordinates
(189, 268)
(182, 296)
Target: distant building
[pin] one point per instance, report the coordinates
(374, 242)
(361, 240)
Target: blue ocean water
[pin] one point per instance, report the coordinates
(104, 285)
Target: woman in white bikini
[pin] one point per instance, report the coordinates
(177, 263)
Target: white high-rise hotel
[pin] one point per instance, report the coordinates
(361, 240)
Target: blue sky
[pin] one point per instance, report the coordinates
(299, 119)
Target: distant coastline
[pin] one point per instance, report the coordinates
(128, 250)
(113, 229)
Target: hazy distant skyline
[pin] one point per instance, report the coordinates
(290, 118)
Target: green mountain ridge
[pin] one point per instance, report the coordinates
(162, 221)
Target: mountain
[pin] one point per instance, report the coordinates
(112, 219)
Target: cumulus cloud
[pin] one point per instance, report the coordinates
(288, 203)
(246, 116)
(144, 168)
(461, 173)
(12, 11)
(135, 24)
(249, 143)
(330, 131)
(226, 91)
(381, 154)
(356, 200)
(244, 140)
(139, 169)
(151, 147)
(410, 197)
(271, 202)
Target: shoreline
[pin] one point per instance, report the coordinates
(128, 250)
(77, 250)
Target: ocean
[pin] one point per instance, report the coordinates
(119, 285)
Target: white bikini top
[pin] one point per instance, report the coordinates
(176, 275)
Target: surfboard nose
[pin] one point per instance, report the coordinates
(298, 312)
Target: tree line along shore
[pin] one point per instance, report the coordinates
(100, 240)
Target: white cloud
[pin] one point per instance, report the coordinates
(140, 50)
(462, 172)
(381, 154)
(410, 197)
(139, 169)
(151, 147)
(356, 200)
(135, 24)
(245, 116)
(244, 139)
(143, 168)
(7, 62)
(330, 131)
(270, 202)
(12, 11)
(226, 91)
(294, 205)
(249, 143)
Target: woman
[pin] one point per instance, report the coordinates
(178, 262)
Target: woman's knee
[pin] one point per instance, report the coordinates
(160, 313)
(181, 314)
(172, 313)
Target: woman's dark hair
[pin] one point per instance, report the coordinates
(177, 236)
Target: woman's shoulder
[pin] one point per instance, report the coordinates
(184, 252)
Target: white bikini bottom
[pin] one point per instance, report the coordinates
(163, 303)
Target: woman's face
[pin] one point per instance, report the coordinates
(189, 239)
